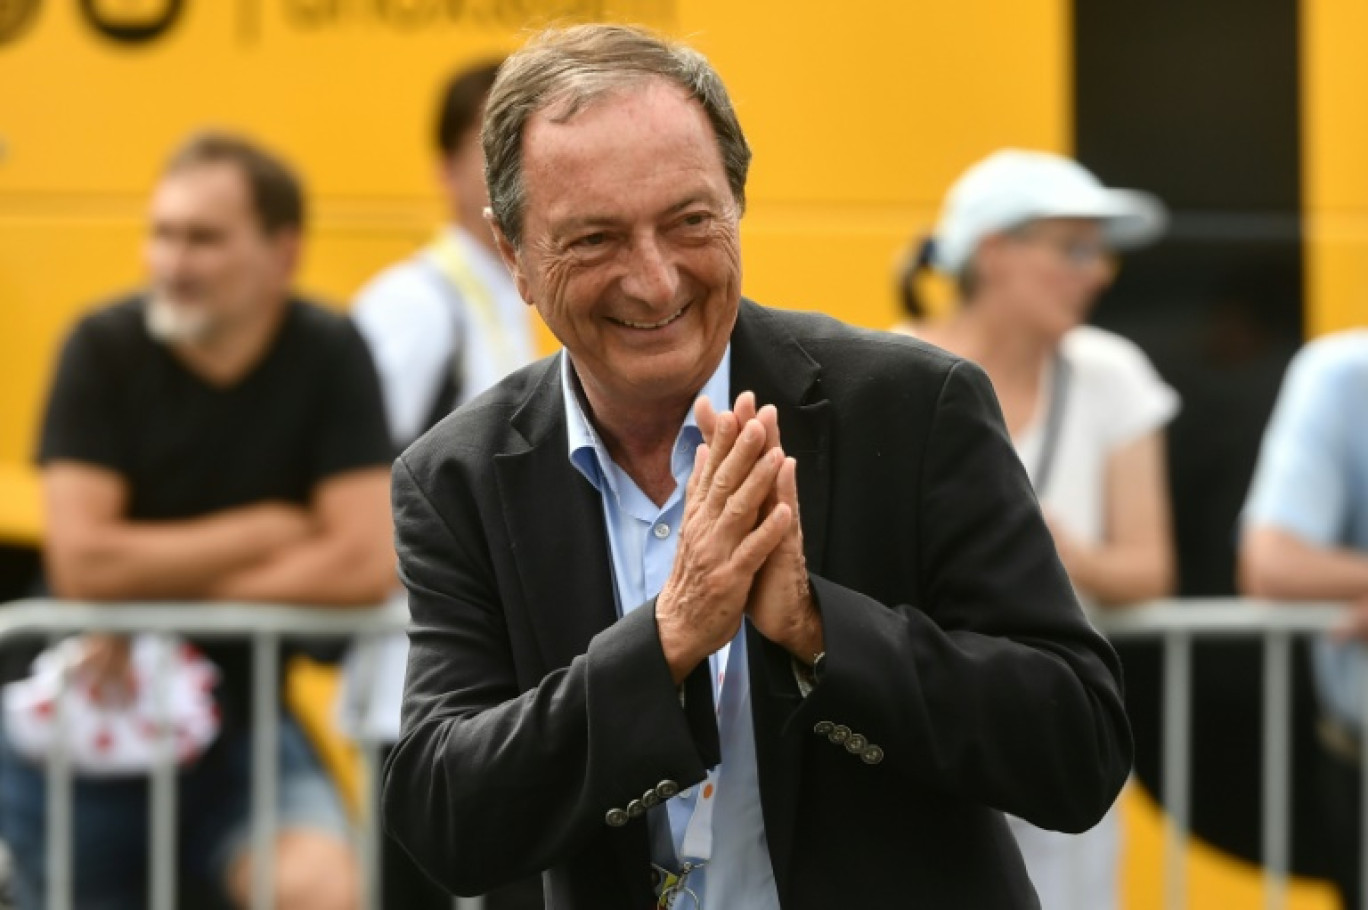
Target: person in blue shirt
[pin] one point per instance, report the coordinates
(1305, 537)
(723, 606)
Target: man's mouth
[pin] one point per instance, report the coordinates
(651, 325)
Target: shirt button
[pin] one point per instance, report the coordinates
(661, 531)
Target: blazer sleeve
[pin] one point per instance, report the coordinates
(996, 687)
(489, 783)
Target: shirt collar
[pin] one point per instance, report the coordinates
(586, 449)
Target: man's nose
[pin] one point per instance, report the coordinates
(651, 276)
(168, 256)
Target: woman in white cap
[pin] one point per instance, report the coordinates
(1028, 239)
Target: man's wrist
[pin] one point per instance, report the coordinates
(675, 646)
(809, 641)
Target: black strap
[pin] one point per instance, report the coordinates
(1054, 419)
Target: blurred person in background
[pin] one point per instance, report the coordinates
(443, 326)
(1304, 536)
(448, 323)
(1028, 239)
(211, 438)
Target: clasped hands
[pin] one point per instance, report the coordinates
(740, 546)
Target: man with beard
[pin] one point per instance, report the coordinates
(213, 438)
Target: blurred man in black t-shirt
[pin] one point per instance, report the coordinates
(214, 438)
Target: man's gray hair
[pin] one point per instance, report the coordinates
(572, 67)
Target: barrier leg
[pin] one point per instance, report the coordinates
(1177, 724)
(265, 765)
(162, 791)
(1277, 766)
(1363, 794)
(369, 845)
(60, 802)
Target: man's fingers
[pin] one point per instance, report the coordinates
(1355, 626)
(105, 665)
(769, 419)
(719, 447)
(743, 506)
(752, 552)
(706, 416)
(733, 468)
(744, 409)
(786, 484)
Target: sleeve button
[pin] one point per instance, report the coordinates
(615, 818)
(823, 727)
(839, 734)
(856, 744)
(667, 789)
(872, 755)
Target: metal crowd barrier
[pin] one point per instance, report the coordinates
(1175, 623)
(265, 627)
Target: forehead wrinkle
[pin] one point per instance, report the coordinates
(667, 154)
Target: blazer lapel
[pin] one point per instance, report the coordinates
(560, 547)
(767, 360)
(555, 525)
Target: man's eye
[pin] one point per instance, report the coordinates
(591, 240)
(695, 219)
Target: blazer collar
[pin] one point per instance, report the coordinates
(555, 527)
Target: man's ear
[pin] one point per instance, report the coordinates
(288, 245)
(509, 254)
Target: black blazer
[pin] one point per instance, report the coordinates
(954, 643)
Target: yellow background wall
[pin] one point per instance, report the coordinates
(1334, 163)
(858, 122)
(860, 115)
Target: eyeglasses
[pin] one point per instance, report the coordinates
(1078, 254)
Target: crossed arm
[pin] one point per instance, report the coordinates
(1278, 564)
(337, 550)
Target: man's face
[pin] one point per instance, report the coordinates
(629, 246)
(210, 264)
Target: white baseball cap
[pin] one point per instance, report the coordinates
(1011, 187)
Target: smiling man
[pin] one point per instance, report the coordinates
(723, 606)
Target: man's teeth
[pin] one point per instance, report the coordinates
(652, 325)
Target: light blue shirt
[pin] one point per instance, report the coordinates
(1312, 482)
(642, 538)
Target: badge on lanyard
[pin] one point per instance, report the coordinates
(669, 887)
(672, 888)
